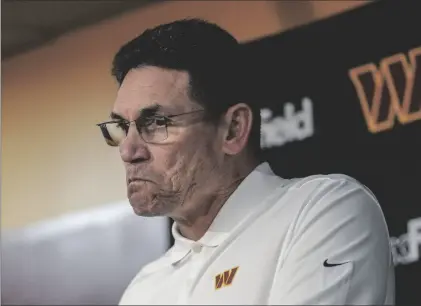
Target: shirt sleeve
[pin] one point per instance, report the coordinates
(339, 251)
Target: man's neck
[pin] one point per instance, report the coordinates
(194, 225)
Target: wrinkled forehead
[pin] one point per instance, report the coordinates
(152, 88)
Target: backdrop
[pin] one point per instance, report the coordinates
(344, 96)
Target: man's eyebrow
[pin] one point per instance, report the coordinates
(150, 110)
(116, 116)
(156, 109)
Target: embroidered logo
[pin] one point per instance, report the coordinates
(225, 278)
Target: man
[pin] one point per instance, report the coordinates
(190, 142)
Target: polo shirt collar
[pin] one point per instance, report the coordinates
(242, 202)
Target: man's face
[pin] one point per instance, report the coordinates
(162, 177)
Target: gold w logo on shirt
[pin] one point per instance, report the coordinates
(225, 278)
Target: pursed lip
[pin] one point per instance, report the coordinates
(135, 179)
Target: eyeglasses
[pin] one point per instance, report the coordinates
(152, 129)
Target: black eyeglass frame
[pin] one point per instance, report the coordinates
(140, 123)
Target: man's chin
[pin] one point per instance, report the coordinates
(145, 208)
(146, 213)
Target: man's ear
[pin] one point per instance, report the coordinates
(237, 125)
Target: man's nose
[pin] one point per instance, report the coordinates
(133, 148)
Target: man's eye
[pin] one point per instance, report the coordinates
(123, 125)
(161, 121)
(155, 122)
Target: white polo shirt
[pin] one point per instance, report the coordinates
(316, 240)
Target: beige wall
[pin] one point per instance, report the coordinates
(53, 158)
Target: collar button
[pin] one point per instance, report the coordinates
(196, 247)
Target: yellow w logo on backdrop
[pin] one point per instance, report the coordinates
(390, 91)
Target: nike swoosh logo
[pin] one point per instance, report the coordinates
(326, 264)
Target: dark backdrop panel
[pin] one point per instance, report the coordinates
(315, 121)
